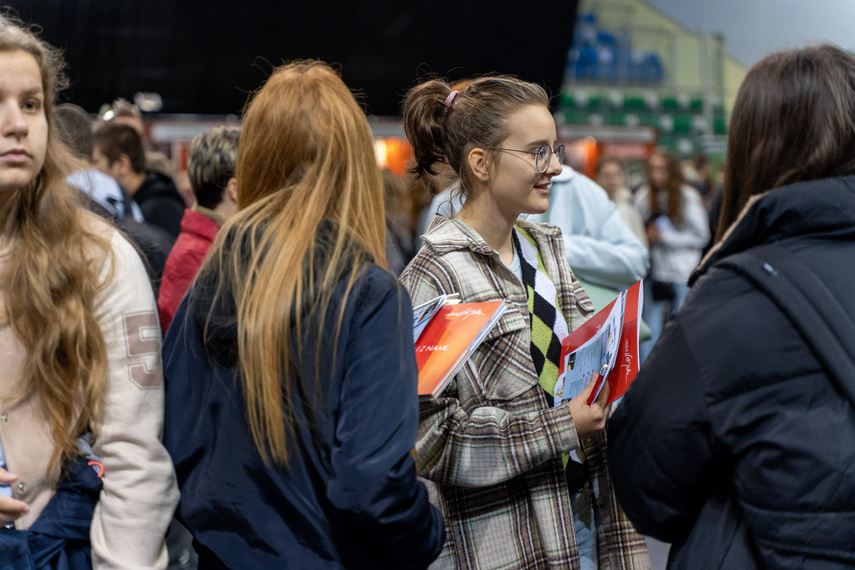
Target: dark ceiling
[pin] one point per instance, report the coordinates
(204, 57)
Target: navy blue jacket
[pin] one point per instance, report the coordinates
(349, 497)
(59, 539)
(733, 443)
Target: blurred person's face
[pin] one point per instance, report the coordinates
(658, 171)
(102, 163)
(23, 124)
(611, 177)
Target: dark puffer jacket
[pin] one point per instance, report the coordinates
(160, 202)
(733, 443)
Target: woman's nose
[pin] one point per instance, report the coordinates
(554, 166)
(12, 121)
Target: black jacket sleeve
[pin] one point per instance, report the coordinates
(663, 455)
(164, 213)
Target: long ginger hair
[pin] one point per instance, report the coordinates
(306, 160)
(50, 281)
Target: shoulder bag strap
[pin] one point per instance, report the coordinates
(810, 306)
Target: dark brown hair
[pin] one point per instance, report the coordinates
(477, 117)
(674, 187)
(115, 139)
(793, 121)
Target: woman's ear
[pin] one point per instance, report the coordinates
(231, 189)
(478, 164)
(123, 164)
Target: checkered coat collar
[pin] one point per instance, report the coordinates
(450, 234)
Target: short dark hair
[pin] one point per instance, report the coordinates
(114, 139)
(793, 121)
(74, 127)
(211, 163)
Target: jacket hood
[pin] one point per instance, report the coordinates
(214, 311)
(199, 224)
(213, 306)
(818, 208)
(452, 234)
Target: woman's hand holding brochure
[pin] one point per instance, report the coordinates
(590, 419)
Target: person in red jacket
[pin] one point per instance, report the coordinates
(211, 167)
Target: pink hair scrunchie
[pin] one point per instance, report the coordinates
(449, 99)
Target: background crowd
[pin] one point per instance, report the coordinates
(241, 338)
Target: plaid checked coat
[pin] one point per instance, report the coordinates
(490, 446)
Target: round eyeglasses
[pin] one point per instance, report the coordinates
(542, 156)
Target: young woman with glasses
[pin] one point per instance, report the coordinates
(293, 352)
(492, 446)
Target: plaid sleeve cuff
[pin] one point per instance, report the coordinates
(563, 428)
